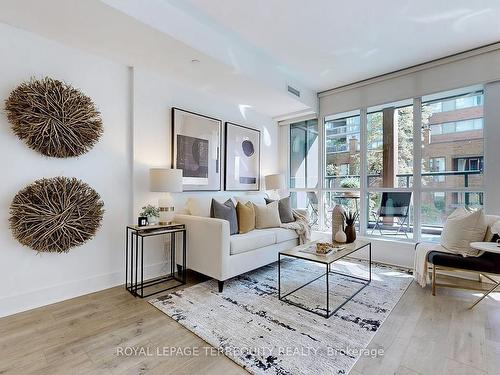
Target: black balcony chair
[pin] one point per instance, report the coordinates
(313, 205)
(394, 205)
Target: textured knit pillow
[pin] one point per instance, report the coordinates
(267, 216)
(246, 217)
(461, 228)
(225, 211)
(284, 208)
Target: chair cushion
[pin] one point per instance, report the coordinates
(488, 262)
(461, 228)
(241, 243)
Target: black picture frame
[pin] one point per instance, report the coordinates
(227, 155)
(215, 169)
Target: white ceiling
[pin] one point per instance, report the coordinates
(249, 51)
(329, 43)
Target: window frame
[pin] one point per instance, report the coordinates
(417, 188)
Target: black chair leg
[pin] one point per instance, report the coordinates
(221, 286)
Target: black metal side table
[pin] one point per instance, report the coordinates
(134, 263)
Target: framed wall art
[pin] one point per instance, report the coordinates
(242, 163)
(196, 145)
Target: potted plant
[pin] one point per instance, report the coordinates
(350, 230)
(350, 183)
(152, 213)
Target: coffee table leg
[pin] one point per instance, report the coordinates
(327, 292)
(279, 276)
(370, 263)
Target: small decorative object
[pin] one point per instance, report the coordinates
(142, 221)
(323, 247)
(54, 118)
(337, 220)
(55, 214)
(196, 141)
(151, 212)
(242, 172)
(350, 229)
(340, 236)
(166, 181)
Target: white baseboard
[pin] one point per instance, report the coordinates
(45, 296)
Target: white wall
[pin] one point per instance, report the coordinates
(135, 106)
(30, 279)
(154, 96)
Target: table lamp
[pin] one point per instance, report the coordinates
(275, 182)
(166, 181)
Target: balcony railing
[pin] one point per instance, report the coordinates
(405, 177)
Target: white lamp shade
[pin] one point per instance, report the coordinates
(275, 182)
(165, 180)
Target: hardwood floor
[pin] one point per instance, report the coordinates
(423, 335)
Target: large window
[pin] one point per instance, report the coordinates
(370, 161)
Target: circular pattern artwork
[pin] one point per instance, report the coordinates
(55, 214)
(247, 147)
(54, 118)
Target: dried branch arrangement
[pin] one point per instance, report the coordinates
(55, 214)
(54, 118)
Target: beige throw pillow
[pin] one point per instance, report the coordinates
(267, 216)
(246, 217)
(461, 228)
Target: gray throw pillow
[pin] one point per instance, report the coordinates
(226, 211)
(284, 208)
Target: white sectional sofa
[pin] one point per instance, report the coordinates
(212, 251)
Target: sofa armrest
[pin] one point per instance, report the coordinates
(208, 245)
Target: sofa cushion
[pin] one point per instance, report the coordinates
(267, 216)
(246, 217)
(241, 243)
(284, 208)
(254, 198)
(225, 211)
(200, 205)
(283, 234)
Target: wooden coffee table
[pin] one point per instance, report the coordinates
(326, 260)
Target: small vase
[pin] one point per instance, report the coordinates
(350, 233)
(340, 236)
(337, 220)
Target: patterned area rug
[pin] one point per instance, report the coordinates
(267, 336)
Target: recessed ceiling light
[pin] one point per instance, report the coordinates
(195, 61)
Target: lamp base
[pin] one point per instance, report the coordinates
(166, 215)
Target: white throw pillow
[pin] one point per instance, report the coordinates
(267, 216)
(461, 228)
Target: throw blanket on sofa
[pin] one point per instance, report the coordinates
(301, 226)
(420, 266)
